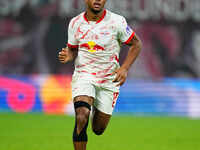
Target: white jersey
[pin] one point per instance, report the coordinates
(98, 45)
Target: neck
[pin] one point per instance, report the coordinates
(91, 16)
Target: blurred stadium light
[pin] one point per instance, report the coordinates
(163, 80)
(51, 94)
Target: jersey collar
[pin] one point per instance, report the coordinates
(102, 17)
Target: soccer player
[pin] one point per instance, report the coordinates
(94, 40)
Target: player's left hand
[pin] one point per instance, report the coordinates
(121, 75)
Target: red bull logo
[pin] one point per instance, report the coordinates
(92, 46)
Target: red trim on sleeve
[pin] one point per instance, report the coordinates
(130, 38)
(72, 46)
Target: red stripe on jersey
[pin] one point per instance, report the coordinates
(84, 35)
(85, 45)
(74, 21)
(72, 46)
(115, 96)
(82, 71)
(79, 30)
(102, 81)
(116, 58)
(102, 76)
(130, 38)
(80, 66)
(105, 70)
(107, 75)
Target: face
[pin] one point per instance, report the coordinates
(95, 6)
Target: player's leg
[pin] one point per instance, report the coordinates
(82, 105)
(100, 121)
(83, 93)
(103, 108)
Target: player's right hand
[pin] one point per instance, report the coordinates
(64, 56)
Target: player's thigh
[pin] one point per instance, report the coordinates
(100, 120)
(83, 94)
(103, 108)
(83, 91)
(105, 100)
(84, 98)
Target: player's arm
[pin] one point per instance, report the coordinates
(134, 50)
(70, 52)
(67, 54)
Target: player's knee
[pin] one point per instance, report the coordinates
(81, 120)
(98, 131)
(82, 114)
(80, 130)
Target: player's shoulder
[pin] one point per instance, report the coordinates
(77, 19)
(116, 17)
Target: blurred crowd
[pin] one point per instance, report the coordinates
(31, 34)
(30, 40)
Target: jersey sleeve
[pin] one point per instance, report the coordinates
(72, 41)
(125, 33)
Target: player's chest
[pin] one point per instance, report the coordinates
(94, 32)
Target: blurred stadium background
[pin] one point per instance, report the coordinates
(159, 100)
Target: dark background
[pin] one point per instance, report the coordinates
(32, 33)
